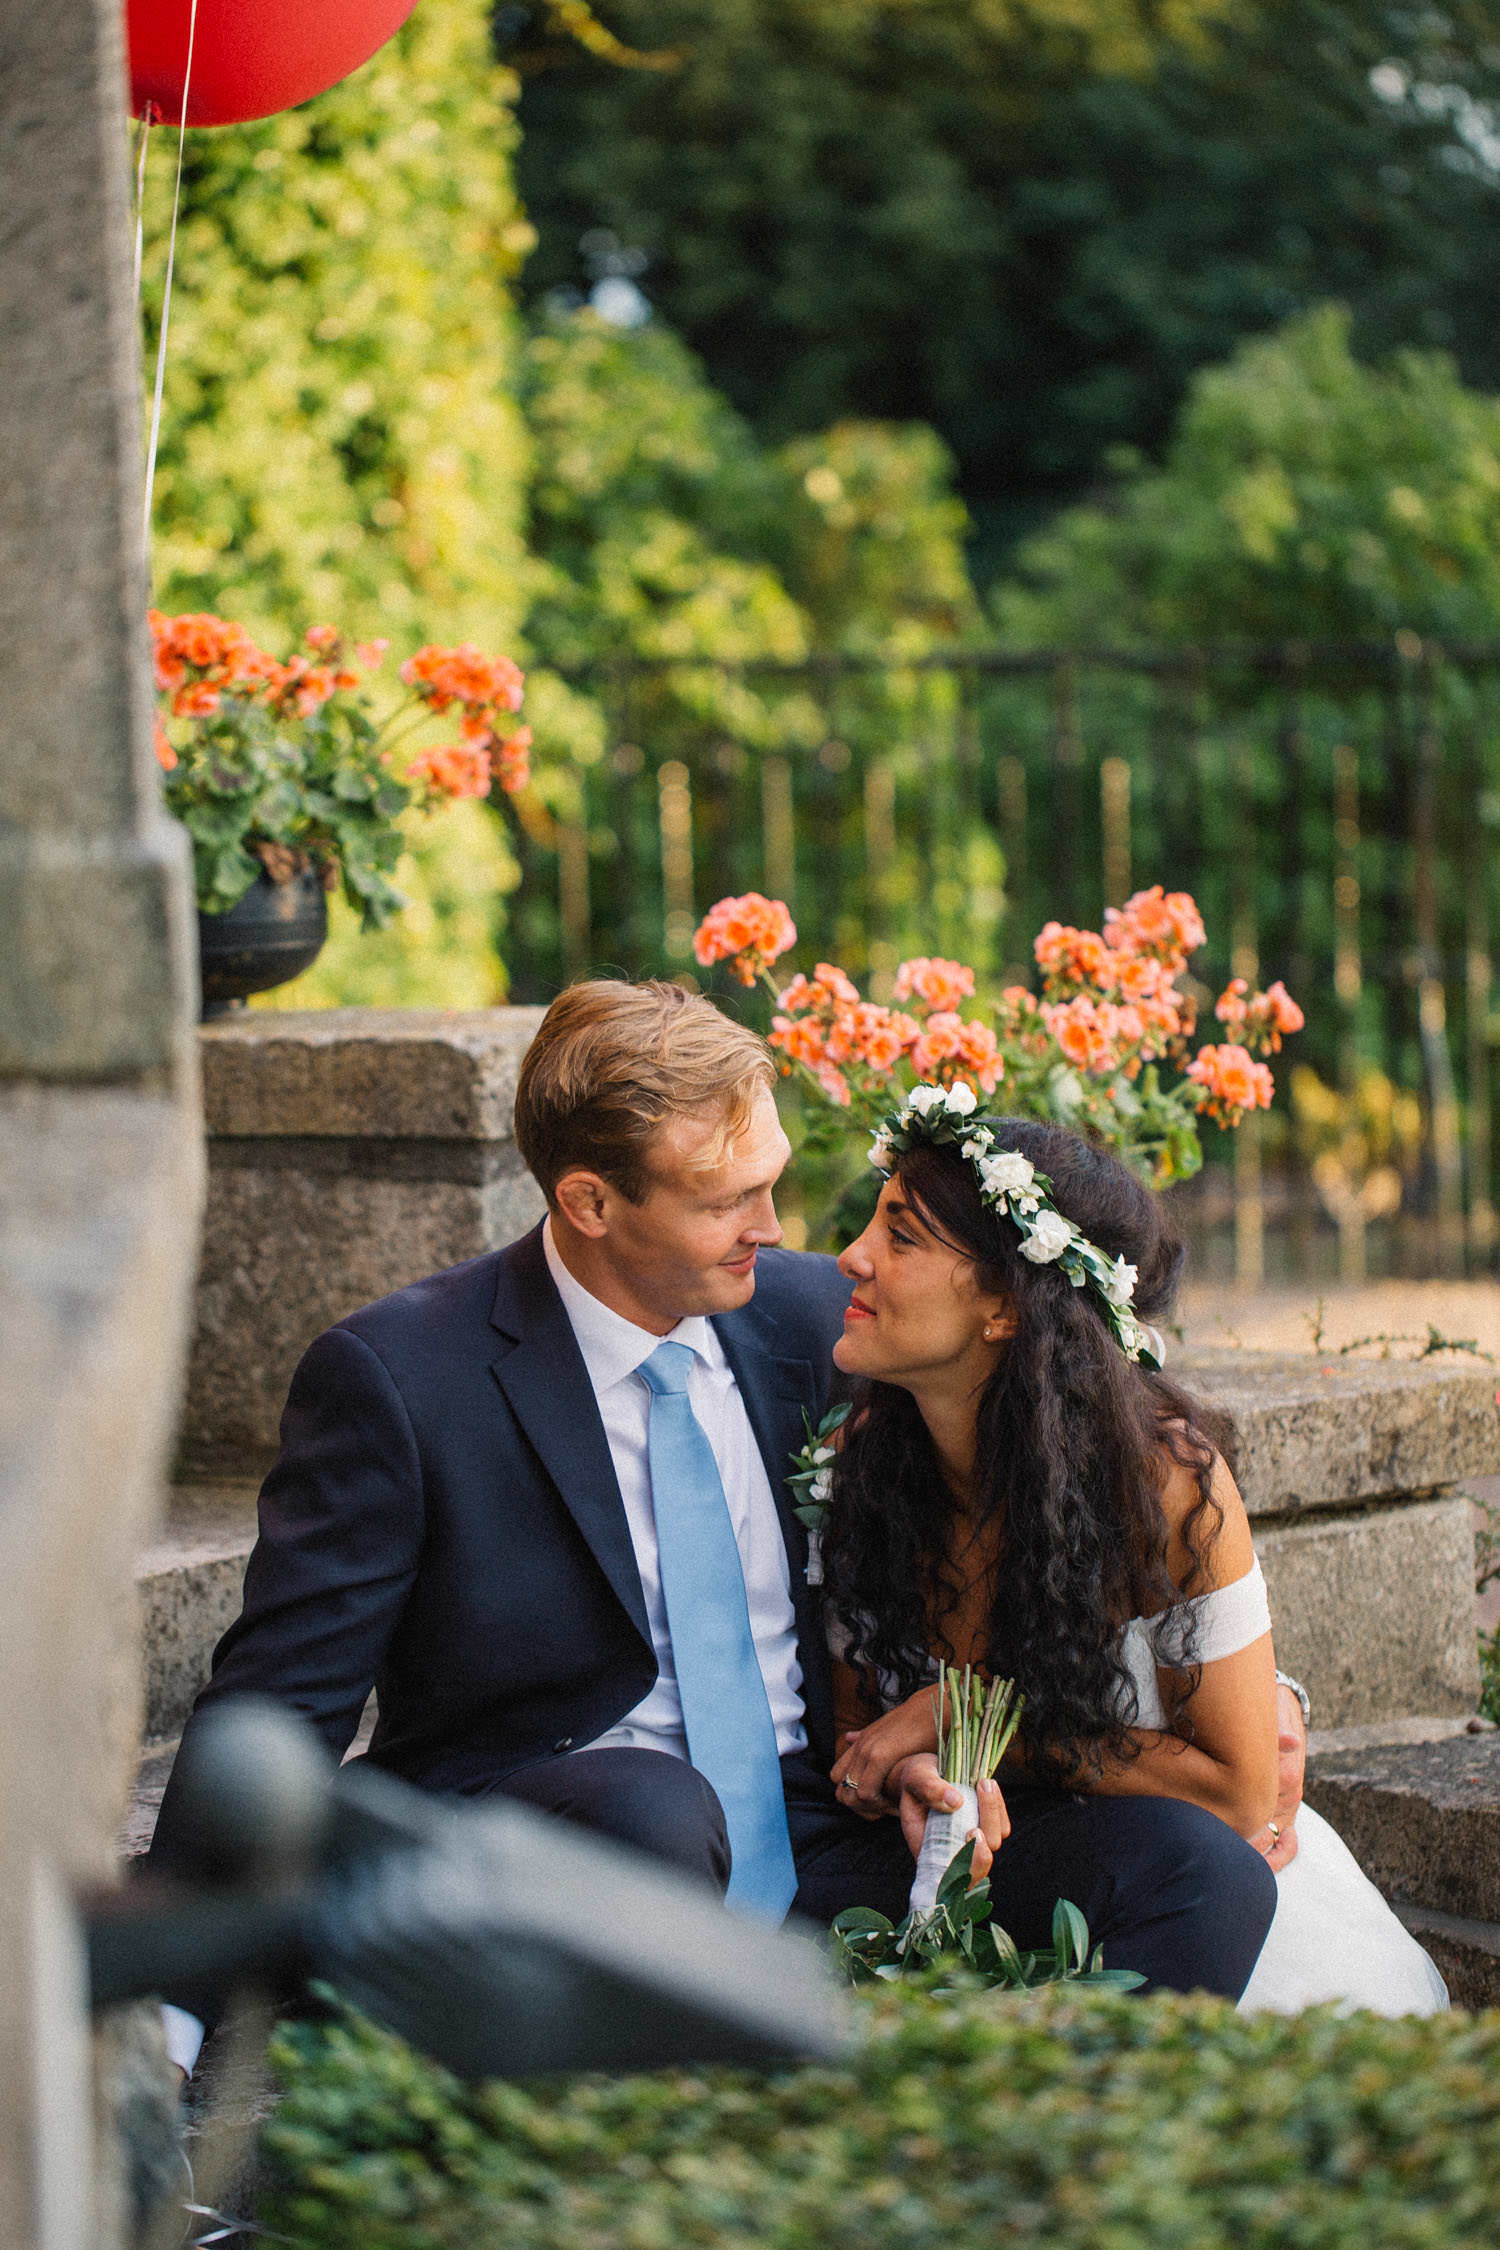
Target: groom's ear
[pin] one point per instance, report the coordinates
(581, 1198)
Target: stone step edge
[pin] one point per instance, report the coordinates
(1393, 1734)
(1467, 1952)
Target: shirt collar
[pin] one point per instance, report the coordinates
(612, 1346)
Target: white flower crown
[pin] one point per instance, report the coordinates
(1011, 1186)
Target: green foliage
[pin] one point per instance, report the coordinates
(1025, 224)
(662, 530)
(662, 527)
(340, 437)
(1489, 1675)
(1071, 2118)
(956, 1944)
(1303, 494)
(314, 786)
(455, 866)
(337, 436)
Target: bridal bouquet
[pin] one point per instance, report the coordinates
(950, 1927)
(1104, 1046)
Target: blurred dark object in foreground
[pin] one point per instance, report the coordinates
(497, 1941)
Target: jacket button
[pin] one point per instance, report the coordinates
(565, 1744)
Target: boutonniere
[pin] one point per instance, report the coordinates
(811, 1482)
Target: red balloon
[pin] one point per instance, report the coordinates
(250, 57)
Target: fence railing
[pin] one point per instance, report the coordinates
(1331, 806)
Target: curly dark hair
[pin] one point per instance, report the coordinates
(1073, 1450)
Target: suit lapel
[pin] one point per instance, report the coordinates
(775, 1391)
(543, 1376)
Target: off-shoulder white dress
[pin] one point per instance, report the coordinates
(1334, 1937)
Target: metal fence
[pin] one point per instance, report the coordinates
(1331, 807)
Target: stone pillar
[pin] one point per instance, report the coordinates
(99, 1162)
(1348, 1469)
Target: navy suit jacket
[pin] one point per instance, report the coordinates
(444, 1523)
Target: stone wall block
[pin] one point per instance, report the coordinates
(378, 1074)
(1318, 1433)
(351, 1151)
(1374, 1611)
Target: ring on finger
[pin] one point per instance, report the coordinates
(848, 1783)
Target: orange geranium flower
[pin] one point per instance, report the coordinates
(1082, 1031)
(1165, 923)
(443, 676)
(1068, 956)
(166, 756)
(459, 769)
(512, 761)
(941, 1042)
(1233, 1082)
(748, 933)
(940, 985)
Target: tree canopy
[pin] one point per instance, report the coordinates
(1303, 495)
(1026, 224)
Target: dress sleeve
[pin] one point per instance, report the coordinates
(1213, 1625)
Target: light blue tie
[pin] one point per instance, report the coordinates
(725, 1711)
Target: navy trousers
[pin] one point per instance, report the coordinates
(1166, 1888)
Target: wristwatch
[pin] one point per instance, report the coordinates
(1284, 1679)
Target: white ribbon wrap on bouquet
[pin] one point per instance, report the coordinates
(943, 1839)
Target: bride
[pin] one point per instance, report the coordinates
(1021, 1488)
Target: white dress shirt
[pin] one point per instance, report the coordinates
(614, 1350)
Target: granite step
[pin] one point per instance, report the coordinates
(188, 1583)
(1422, 1817)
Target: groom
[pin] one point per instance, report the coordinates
(539, 1502)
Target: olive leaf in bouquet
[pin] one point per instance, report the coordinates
(957, 1942)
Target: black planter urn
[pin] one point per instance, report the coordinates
(270, 936)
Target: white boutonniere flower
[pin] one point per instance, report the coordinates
(811, 1482)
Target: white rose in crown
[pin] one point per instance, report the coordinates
(962, 1100)
(882, 1148)
(922, 1099)
(1048, 1239)
(1010, 1173)
(1118, 1283)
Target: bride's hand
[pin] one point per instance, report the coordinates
(869, 1757)
(924, 1790)
(1278, 1841)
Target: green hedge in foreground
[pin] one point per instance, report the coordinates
(1079, 2121)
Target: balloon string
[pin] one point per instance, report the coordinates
(142, 136)
(166, 301)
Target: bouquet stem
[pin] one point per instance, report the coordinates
(976, 1721)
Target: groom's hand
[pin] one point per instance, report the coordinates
(924, 1790)
(863, 1775)
(1278, 1841)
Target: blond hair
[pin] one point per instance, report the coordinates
(612, 1062)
